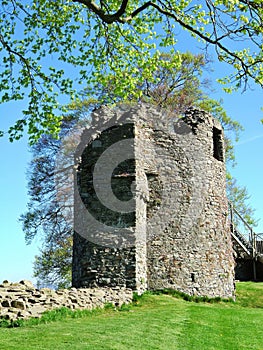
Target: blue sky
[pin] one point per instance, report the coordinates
(246, 108)
(16, 257)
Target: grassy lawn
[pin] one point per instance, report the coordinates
(157, 322)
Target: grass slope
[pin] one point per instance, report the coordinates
(156, 322)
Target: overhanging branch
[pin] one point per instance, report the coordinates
(119, 17)
(107, 18)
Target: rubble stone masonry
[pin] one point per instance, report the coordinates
(22, 300)
(177, 234)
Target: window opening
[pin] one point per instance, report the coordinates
(218, 149)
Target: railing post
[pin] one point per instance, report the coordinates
(254, 270)
(232, 217)
(254, 253)
(253, 243)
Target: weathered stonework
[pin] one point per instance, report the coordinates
(176, 234)
(22, 300)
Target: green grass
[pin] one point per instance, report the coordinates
(160, 321)
(250, 294)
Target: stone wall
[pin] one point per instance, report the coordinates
(179, 237)
(22, 300)
(189, 245)
(96, 263)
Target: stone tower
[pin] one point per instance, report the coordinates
(150, 203)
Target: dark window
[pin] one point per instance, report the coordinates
(193, 277)
(218, 148)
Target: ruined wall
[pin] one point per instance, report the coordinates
(22, 300)
(178, 235)
(106, 254)
(188, 240)
(96, 261)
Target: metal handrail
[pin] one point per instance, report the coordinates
(236, 238)
(257, 249)
(242, 219)
(253, 237)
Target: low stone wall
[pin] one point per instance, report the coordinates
(23, 300)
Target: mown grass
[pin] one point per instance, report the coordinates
(160, 321)
(250, 294)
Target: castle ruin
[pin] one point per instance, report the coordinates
(150, 203)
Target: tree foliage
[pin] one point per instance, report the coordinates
(239, 197)
(49, 48)
(50, 208)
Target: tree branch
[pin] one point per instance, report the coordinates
(208, 39)
(21, 57)
(107, 18)
(117, 18)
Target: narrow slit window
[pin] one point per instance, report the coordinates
(218, 148)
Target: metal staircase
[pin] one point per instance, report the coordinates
(247, 244)
(242, 243)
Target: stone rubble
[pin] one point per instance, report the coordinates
(22, 300)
